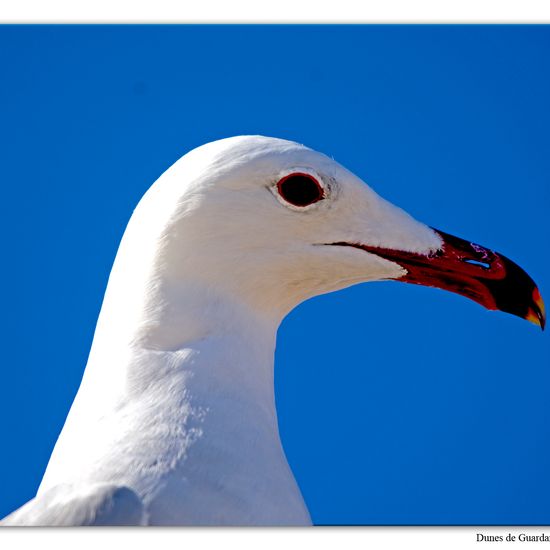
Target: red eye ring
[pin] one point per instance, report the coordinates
(300, 189)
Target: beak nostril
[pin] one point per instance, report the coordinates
(484, 265)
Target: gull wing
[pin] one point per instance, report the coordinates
(101, 504)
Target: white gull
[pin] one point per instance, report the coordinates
(175, 422)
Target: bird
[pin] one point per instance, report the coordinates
(174, 422)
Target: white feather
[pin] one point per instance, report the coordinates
(176, 405)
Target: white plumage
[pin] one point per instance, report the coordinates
(175, 420)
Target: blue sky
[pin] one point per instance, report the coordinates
(418, 406)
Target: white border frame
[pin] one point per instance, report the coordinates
(276, 11)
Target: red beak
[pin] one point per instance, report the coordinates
(488, 278)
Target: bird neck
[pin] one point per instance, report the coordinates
(189, 397)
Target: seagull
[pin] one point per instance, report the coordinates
(175, 422)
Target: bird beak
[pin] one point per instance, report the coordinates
(471, 270)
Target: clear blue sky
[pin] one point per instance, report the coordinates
(418, 406)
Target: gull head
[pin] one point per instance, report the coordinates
(177, 401)
(269, 223)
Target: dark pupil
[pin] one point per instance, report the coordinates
(300, 190)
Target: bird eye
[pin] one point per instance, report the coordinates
(300, 189)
